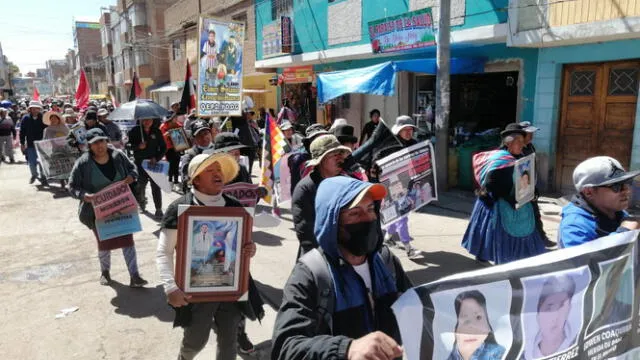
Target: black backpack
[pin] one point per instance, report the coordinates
(319, 267)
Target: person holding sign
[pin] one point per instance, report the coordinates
(604, 192)
(96, 169)
(497, 231)
(147, 143)
(208, 175)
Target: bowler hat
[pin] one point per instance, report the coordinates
(513, 129)
(344, 133)
(227, 141)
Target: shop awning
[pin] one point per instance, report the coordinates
(381, 79)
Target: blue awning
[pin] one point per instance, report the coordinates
(381, 79)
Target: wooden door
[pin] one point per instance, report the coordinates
(597, 116)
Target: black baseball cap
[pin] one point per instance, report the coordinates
(198, 126)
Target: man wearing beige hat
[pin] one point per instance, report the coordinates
(327, 157)
(31, 130)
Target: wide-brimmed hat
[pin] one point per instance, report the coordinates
(35, 104)
(95, 134)
(600, 171)
(46, 119)
(286, 125)
(403, 121)
(103, 112)
(513, 129)
(344, 133)
(324, 145)
(337, 122)
(227, 141)
(314, 130)
(527, 127)
(228, 163)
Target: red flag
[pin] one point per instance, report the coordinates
(36, 94)
(136, 90)
(188, 100)
(82, 93)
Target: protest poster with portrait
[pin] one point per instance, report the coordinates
(575, 303)
(220, 67)
(282, 184)
(56, 157)
(210, 262)
(245, 193)
(159, 173)
(410, 177)
(179, 139)
(524, 179)
(80, 134)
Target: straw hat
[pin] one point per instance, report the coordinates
(46, 119)
(228, 163)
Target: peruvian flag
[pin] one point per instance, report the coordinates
(188, 100)
(36, 94)
(136, 90)
(82, 93)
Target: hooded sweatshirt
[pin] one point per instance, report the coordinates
(582, 223)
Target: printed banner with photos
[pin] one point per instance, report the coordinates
(576, 303)
(220, 68)
(410, 177)
(524, 179)
(56, 157)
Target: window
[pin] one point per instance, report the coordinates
(142, 57)
(583, 83)
(138, 14)
(243, 19)
(177, 49)
(623, 82)
(105, 35)
(281, 8)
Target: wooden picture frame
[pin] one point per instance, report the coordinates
(211, 264)
(179, 139)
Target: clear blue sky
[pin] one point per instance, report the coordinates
(34, 31)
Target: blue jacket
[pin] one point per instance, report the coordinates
(581, 223)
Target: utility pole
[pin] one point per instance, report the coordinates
(443, 95)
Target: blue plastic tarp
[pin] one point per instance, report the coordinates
(381, 79)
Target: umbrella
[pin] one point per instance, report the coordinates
(6, 104)
(138, 110)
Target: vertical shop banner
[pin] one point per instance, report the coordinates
(576, 303)
(245, 193)
(220, 68)
(524, 179)
(412, 30)
(56, 157)
(159, 173)
(410, 177)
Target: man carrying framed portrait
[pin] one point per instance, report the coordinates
(208, 175)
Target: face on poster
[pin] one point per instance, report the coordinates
(212, 252)
(472, 322)
(220, 68)
(552, 312)
(524, 179)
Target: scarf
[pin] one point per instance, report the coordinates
(486, 162)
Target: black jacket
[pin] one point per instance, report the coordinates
(7, 127)
(156, 147)
(303, 203)
(31, 130)
(252, 309)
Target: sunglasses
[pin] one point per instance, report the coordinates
(617, 187)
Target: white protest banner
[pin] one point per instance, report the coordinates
(245, 193)
(524, 179)
(283, 185)
(56, 157)
(410, 177)
(575, 303)
(114, 199)
(159, 173)
(220, 67)
(118, 225)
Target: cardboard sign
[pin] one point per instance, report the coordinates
(118, 225)
(114, 199)
(159, 173)
(245, 193)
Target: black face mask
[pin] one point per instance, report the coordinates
(361, 238)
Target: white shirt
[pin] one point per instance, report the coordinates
(365, 274)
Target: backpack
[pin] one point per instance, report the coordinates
(319, 267)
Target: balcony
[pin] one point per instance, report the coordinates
(544, 23)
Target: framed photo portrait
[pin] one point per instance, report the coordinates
(179, 139)
(210, 263)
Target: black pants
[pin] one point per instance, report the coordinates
(249, 152)
(143, 179)
(174, 161)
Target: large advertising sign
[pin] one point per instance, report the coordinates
(575, 303)
(276, 38)
(412, 30)
(220, 68)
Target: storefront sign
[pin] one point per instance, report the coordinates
(298, 74)
(220, 75)
(412, 30)
(276, 38)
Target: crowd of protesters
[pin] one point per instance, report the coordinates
(337, 301)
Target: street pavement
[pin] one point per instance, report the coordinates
(48, 262)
